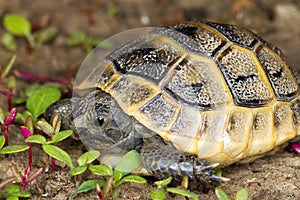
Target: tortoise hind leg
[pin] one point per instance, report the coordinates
(164, 160)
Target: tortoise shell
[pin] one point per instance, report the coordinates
(215, 90)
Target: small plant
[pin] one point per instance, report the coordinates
(22, 178)
(241, 194)
(83, 161)
(162, 188)
(78, 38)
(19, 26)
(53, 130)
(113, 177)
(112, 11)
(10, 81)
(38, 98)
(7, 121)
(13, 192)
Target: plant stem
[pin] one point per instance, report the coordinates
(33, 77)
(7, 182)
(24, 178)
(52, 159)
(99, 192)
(8, 95)
(108, 186)
(6, 135)
(28, 169)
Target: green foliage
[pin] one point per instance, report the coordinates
(112, 11)
(83, 160)
(88, 157)
(101, 170)
(13, 149)
(8, 66)
(162, 188)
(126, 167)
(113, 177)
(2, 141)
(183, 192)
(158, 194)
(50, 149)
(78, 38)
(87, 186)
(19, 26)
(13, 191)
(58, 154)
(40, 100)
(8, 41)
(241, 194)
(37, 98)
(163, 183)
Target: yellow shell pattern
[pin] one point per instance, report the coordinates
(215, 90)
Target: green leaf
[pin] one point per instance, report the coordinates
(11, 83)
(58, 154)
(12, 197)
(2, 141)
(112, 11)
(22, 194)
(132, 178)
(46, 34)
(62, 135)
(41, 100)
(242, 194)
(183, 193)
(13, 149)
(14, 187)
(8, 41)
(129, 162)
(158, 195)
(17, 25)
(76, 38)
(45, 127)
(88, 157)
(117, 175)
(56, 122)
(9, 65)
(86, 186)
(2, 116)
(78, 170)
(164, 182)
(101, 170)
(36, 139)
(221, 194)
(219, 172)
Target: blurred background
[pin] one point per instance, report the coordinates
(278, 21)
(66, 30)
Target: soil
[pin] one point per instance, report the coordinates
(271, 177)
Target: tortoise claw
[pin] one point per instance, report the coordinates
(219, 178)
(208, 167)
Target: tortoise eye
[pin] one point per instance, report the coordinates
(100, 122)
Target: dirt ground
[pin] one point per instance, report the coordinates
(278, 21)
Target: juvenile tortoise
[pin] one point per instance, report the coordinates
(189, 97)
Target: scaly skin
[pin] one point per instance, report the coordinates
(160, 158)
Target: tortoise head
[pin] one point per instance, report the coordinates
(99, 122)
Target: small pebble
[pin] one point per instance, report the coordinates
(145, 19)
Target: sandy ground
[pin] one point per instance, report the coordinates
(272, 177)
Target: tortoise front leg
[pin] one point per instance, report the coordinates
(164, 160)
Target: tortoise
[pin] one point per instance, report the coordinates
(188, 97)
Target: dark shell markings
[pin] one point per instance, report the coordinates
(209, 92)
